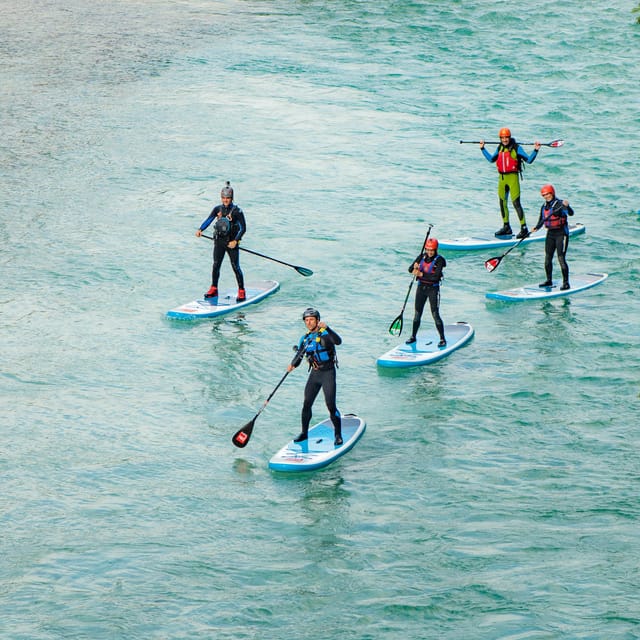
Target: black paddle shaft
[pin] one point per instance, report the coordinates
(395, 329)
(303, 271)
(241, 437)
(492, 263)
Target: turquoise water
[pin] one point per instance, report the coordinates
(495, 493)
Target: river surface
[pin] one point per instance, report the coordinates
(494, 494)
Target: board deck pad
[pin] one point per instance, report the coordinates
(425, 349)
(534, 292)
(225, 302)
(319, 450)
(481, 241)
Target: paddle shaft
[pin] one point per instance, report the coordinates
(241, 437)
(499, 258)
(553, 143)
(398, 320)
(301, 270)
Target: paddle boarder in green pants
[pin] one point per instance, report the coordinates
(318, 345)
(508, 157)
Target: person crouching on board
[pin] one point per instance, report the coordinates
(554, 216)
(318, 345)
(427, 268)
(229, 227)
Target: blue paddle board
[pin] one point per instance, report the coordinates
(534, 292)
(224, 303)
(318, 449)
(425, 349)
(500, 242)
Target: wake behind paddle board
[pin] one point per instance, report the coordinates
(224, 303)
(474, 243)
(534, 292)
(425, 349)
(318, 450)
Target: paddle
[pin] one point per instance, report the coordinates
(492, 263)
(303, 271)
(241, 437)
(395, 329)
(553, 143)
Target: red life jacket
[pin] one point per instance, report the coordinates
(427, 271)
(507, 160)
(553, 217)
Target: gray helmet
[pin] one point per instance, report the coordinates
(227, 191)
(310, 312)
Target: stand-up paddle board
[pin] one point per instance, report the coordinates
(224, 303)
(501, 242)
(534, 292)
(425, 349)
(318, 449)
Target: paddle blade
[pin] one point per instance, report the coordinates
(556, 143)
(396, 326)
(304, 272)
(492, 263)
(241, 437)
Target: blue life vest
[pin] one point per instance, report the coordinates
(317, 353)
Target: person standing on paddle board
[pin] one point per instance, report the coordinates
(318, 345)
(229, 227)
(508, 157)
(427, 268)
(554, 216)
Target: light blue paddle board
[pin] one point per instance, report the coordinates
(473, 243)
(534, 292)
(318, 450)
(224, 303)
(425, 349)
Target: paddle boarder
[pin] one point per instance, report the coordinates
(554, 216)
(229, 226)
(508, 157)
(427, 268)
(318, 345)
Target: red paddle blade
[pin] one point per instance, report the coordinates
(556, 143)
(241, 437)
(491, 264)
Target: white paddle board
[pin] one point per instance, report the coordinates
(224, 303)
(534, 292)
(472, 243)
(318, 449)
(425, 349)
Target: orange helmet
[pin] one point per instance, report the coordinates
(505, 131)
(547, 188)
(431, 243)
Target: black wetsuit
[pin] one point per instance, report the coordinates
(428, 289)
(236, 230)
(319, 349)
(554, 216)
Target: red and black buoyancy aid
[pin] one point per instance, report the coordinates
(507, 160)
(553, 215)
(431, 270)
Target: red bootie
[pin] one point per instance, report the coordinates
(212, 293)
(242, 295)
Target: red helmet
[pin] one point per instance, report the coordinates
(547, 188)
(505, 131)
(431, 243)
